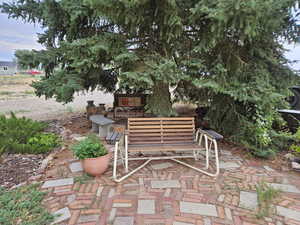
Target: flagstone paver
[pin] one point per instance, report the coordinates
(167, 193)
(124, 220)
(248, 200)
(61, 215)
(182, 223)
(229, 165)
(285, 188)
(76, 167)
(146, 207)
(165, 184)
(289, 213)
(198, 208)
(58, 182)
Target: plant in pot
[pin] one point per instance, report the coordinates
(93, 155)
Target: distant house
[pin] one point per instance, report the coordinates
(8, 68)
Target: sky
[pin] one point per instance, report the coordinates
(15, 34)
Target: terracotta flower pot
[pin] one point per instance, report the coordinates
(96, 166)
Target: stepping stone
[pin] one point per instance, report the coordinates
(59, 182)
(79, 138)
(124, 220)
(165, 184)
(285, 187)
(61, 215)
(71, 198)
(76, 167)
(269, 169)
(161, 166)
(229, 165)
(181, 223)
(146, 207)
(248, 200)
(121, 205)
(289, 213)
(88, 218)
(198, 208)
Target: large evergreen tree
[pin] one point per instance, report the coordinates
(227, 54)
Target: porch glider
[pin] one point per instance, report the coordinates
(164, 134)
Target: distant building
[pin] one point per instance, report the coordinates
(8, 68)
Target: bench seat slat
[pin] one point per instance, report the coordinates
(165, 147)
(163, 127)
(160, 118)
(158, 130)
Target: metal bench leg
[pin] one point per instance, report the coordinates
(208, 148)
(216, 157)
(206, 153)
(126, 154)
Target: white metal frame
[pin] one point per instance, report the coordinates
(201, 136)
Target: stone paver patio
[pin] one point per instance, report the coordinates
(168, 193)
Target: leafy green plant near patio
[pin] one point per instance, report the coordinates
(22, 135)
(94, 156)
(296, 146)
(23, 206)
(266, 196)
(91, 147)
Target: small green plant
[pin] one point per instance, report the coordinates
(43, 142)
(83, 178)
(69, 109)
(266, 195)
(23, 206)
(296, 146)
(91, 147)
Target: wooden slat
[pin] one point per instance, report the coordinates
(151, 132)
(159, 134)
(160, 118)
(161, 127)
(171, 147)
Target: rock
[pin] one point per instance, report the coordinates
(289, 156)
(45, 162)
(33, 178)
(296, 165)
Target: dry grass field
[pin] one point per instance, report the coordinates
(16, 95)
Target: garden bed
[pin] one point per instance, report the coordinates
(18, 168)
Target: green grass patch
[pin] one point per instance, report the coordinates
(23, 206)
(83, 178)
(7, 92)
(266, 196)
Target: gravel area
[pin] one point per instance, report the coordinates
(41, 109)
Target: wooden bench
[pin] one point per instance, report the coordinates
(164, 134)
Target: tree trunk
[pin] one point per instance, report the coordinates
(159, 103)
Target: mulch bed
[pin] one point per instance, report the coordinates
(17, 168)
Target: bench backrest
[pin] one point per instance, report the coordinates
(161, 130)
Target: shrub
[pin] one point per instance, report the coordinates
(22, 135)
(91, 147)
(296, 146)
(44, 142)
(23, 206)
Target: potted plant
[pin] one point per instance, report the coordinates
(93, 155)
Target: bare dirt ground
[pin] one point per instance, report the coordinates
(17, 96)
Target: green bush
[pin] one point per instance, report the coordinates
(22, 135)
(296, 146)
(44, 142)
(23, 206)
(91, 147)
